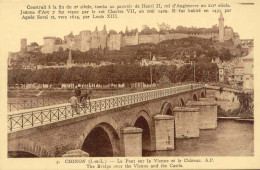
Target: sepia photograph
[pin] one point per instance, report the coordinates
(161, 80)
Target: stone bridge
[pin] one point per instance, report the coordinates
(114, 126)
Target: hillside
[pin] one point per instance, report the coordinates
(184, 49)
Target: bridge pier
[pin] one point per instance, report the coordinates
(132, 142)
(164, 132)
(207, 113)
(186, 122)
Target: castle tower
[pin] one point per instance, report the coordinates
(221, 28)
(10, 58)
(23, 44)
(69, 38)
(126, 30)
(105, 29)
(103, 38)
(95, 41)
(85, 40)
(48, 44)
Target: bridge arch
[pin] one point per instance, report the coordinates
(26, 149)
(202, 95)
(144, 121)
(167, 109)
(108, 127)
(194, 97)
(102, 141)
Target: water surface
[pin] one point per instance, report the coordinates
(231, 138)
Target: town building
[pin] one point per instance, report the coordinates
(248, 72)
(238, 74)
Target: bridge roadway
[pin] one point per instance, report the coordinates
(51, 131)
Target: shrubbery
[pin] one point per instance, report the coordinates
(246, 109)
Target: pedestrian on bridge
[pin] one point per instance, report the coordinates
(85, 98)
(74, 104)
(78, 92)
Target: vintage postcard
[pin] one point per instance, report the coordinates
(129, 84)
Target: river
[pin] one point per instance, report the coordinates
(231, 138)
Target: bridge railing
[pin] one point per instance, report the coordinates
(27, 104)
(38, 116)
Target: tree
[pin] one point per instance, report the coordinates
(112, 32)
(148, 31)
(246, 104)
(184, 73)
(163, 28)
(34, 44)
(225, 54)
(172, 73)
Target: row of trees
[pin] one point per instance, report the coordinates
(113, 74)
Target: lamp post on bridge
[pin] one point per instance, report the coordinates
(194, 70)
(151, 73)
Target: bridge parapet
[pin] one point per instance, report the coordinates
(24, 119)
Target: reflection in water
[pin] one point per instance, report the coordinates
(231, 138)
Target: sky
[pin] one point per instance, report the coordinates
(241, 19)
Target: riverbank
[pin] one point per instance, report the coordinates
(235, 118)
(239, 113)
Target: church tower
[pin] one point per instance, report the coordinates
(221, 28)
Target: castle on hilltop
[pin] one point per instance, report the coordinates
(87, 40)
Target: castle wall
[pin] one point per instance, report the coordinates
(154, 38)
(130, 40)
(102, 39)
(180, 35)
(205, 35)
(114, 42)
(69, 40)
(63, 46)
(95, 40)
(229, 34)
(85, 40)
(77, 40)
(164, 37)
